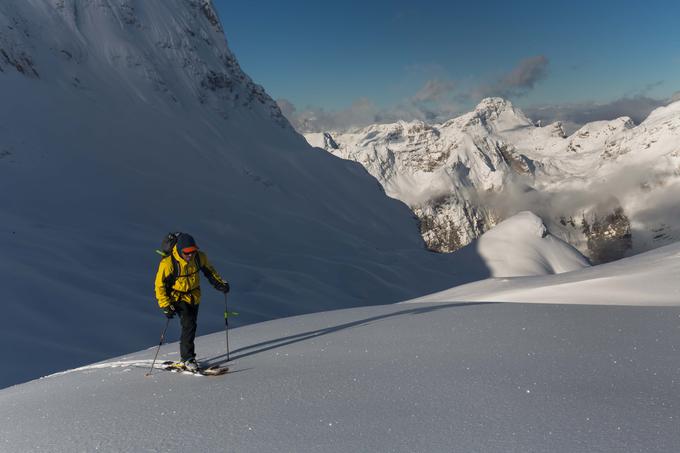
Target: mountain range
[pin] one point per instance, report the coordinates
(123, 120)
(610, 188)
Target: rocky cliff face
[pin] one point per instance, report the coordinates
(463, 176)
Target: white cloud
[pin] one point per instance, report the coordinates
(637, 108)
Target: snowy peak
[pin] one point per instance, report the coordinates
(493, 108)
(209, 12)
(653, 142)
(610, 127)
(594, 136)
(497, 114)
(671, 112)
(167, 53)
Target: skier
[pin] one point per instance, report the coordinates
(178, 290)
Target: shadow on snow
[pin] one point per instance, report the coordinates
(297, 338)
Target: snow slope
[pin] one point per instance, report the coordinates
(435, 377)
(649, 278)
(121, 120)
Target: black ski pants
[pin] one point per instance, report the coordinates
(188, 314)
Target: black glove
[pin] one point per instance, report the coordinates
(169, 311)
(222, 287)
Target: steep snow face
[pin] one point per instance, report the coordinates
(605, 189)
(167, 54)
(122, 120)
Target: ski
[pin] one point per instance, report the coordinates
(177, 367)
(214, 370)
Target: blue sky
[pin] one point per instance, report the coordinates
(397, 57)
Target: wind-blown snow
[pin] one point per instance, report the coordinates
(522, 245)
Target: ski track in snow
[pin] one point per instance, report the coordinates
(127, 364)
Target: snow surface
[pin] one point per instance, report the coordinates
(522, 245)
(419, 376)
(648, 279)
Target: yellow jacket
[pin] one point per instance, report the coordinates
(187, 286)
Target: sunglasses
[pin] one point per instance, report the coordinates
(189, 253)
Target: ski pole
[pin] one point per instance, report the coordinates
(227, 314)
(167, 323)
(226, 323)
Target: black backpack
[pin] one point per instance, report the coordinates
(168, 243)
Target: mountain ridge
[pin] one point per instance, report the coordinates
(466, 174)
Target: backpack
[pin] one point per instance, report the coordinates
(167, 244)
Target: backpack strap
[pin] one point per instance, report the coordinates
(175, 269)
(172, 278)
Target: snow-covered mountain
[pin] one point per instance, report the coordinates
(609, 188)
(432, 375)
(121, 120)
